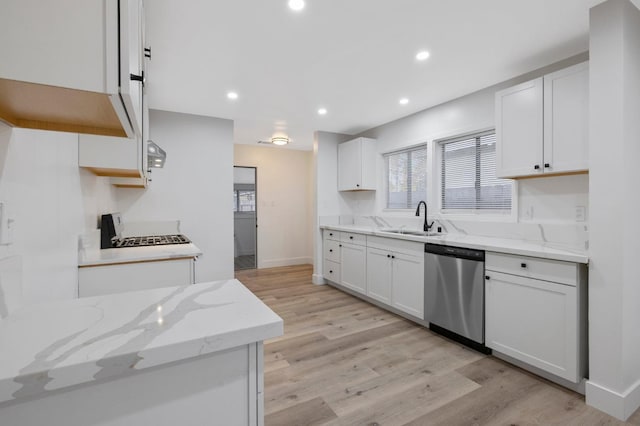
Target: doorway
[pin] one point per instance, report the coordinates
(245, 219)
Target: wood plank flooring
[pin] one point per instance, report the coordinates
(345, 362)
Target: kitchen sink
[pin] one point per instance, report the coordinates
(403, 231)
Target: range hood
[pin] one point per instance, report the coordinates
(156, 156)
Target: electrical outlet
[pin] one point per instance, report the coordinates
(581, 213)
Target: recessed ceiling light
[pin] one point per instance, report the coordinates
(404, 101)
(296, 5)
(232, 95)
(422, 55)
(322, 111)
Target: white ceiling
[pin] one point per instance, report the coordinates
(354, 57)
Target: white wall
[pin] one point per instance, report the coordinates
(195, 187)
(283, 203)
(614, 276)
(545, 200)
(52, 202)
(329, 204)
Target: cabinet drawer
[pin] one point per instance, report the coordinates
(350, 237)
(332, 271)
(533, 267)
(331, 235)
(332, 250)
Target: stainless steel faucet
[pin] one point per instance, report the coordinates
(427, 226)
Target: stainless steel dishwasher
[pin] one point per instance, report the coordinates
(454, 293)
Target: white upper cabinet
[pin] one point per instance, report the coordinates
(566, 118)
(357, 165)
(519, 129)
(64, 68)
(542, 125)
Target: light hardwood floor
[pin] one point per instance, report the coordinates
(343, 361)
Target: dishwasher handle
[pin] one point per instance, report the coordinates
(457, 252)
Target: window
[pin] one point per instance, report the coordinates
(244, 200)
(468, 180)
(406, 177)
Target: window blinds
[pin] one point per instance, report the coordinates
(468, 180)
(406, 177)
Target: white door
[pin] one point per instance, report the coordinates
(566, 119)
(379, 275)
(131, 60)
(408, 283)
(349, 165)
(353, 272)
(519, 130)
(534, 321)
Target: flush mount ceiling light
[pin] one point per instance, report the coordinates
(232, 95)
(277, 140)
(296, 5)
(403, 101)
(423, 55)
(322, 111)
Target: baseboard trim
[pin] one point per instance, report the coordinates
(318, 279)
(616, 404)
(274, 263)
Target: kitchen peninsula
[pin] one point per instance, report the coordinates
(162, 356)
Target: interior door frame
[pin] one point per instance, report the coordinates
(255, 184)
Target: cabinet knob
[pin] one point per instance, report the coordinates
(547, 165)
(537, 167)
(330, 250)
(331, 272)
(330, 234)
(339, 245)
(358, 185)
(388, 255)
(351, 237)
(487, 277)
(393, 257)
(523, 265)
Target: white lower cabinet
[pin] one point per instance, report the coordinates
(353, 262)
(379, 275)
(408, 283)
(97, 280)
(538, 322)
(395, 274)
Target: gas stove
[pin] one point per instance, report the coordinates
(153, 240)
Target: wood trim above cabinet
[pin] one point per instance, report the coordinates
(44, 107)
(123, 173)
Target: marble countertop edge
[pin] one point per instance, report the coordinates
(500, 245)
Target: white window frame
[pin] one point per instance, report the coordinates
(480, 215)
(385, 167)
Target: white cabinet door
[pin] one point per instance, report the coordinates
(131, 60)
(533, 321)
(519, 130)
(349, 165)
(379, 275)
(566, 119)
(353, 260)
(408, 283)
(357, 165)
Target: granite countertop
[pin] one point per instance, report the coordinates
(500, 245)
(56, 345)
(97, 257)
